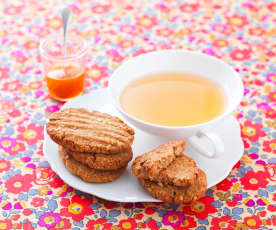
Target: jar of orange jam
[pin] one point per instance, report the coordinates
(64, 69)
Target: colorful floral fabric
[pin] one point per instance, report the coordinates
(241, 33)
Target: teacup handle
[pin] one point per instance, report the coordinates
(218, 146)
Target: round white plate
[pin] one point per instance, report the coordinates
(127, 187)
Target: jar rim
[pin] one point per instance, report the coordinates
(77, 55)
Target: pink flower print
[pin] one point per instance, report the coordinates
(7, 143)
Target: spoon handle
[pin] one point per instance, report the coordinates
(65, 17)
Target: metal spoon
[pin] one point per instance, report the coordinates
(65, 18)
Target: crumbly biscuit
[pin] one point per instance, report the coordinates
(150, 164)
(102, 161)
(87, 174)
(169, 175)
(176, 194)
(81, 130)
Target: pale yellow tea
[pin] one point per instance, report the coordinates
(173, 99)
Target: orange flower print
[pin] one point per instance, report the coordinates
(31, 134)
(128, 224)
(4, 166)
(219, 43)
(54, 23)
(237, 20)
(125, 43)
(252, 131)
(5, 224)
(201, 208)
(146, 22)
(97, 72)
(240, 55)
(253, 222)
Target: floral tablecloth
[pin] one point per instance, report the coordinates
(240, 32)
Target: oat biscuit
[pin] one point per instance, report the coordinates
(80, 130)
(87, 174)
(176, 194)
(102, 161)
(169, 175)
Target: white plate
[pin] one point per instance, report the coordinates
(127, 187)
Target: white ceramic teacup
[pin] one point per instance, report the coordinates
(186, 61)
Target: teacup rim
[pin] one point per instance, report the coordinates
(219, 117)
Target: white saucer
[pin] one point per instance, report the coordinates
(127, 187)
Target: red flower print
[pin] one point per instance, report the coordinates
(37, 202)
(237, 20)
(272, 96)
(253, 222)
(18, 147)
(254, 180)
(56, 183)
(31, 134)
(98, 224)
(97, 72)
(188, 223)
(256, 31)
(201, 208)
(224, 222)
(269, 146)
(270, 170)
(63, 224)
(31, 44)
(12, 86)
(13, 10)
(77, 208)
(272, 7)
(128, 224)
(224, 185)
(240, 55)
(152, 225)
(6, 224)
(147, 22)
(100, 9)
(19, 183)
(4, 165)
(110, 205)
(220, 43)
(28, 225)
(270, 113)
(252, 131)
(4, 73)
(164, 32)
(19, 56)
(189, 8)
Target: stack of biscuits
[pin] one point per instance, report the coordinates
(169, 175)
(92, 145)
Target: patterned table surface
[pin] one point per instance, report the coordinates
(240, 32)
